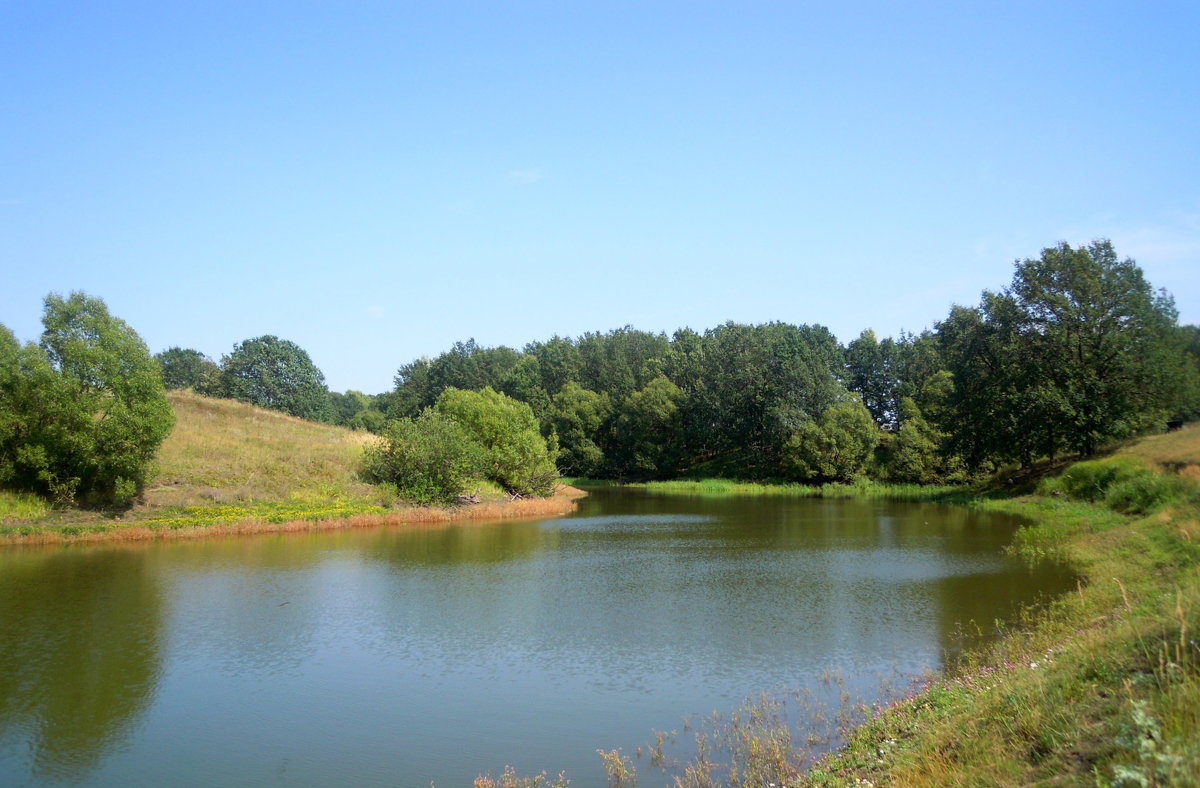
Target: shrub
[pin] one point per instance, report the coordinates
(516, 456)
(835, 447)
(430, 459)
(1124, 484)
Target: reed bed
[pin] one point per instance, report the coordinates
(863, 489)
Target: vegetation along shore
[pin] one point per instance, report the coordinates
(1020, 404)
(231, 468)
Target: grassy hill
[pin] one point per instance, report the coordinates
(232, 467)
(224, 451)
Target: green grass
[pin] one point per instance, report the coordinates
(21, 506)
(862, 489)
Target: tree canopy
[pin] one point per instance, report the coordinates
(83, 412)
(277, 374)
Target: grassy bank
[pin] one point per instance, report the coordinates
(1099, 687)
(228, 467)
(863, 489)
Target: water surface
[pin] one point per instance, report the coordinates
(407, 656)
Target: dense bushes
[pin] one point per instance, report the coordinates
(1125, 484)
(465, 436)
(83, 412)
(430, 459)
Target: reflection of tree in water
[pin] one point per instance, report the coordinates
(79, 657)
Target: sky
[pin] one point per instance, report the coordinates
(377, 180)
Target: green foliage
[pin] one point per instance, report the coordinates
(576, 416)
(81, 415)
(835, 447)
(369, 420)
(431, 459)
(1123, 483)
(648, 420)
(1077, 351)
(913, 454)
(184, 368)
(516, 456)
(277, 374)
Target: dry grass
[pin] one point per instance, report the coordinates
(1178, 451)
(222, 451)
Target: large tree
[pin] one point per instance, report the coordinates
(1076, 351)
(277, 374)
(82, 413)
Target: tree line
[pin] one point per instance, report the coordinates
(1077, 351)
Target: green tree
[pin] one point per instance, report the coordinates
(83, 413)
(576, 416)
(644, 432)
(431, 459)
(347, 405)
(184, 368)
(913, 454)
(277, 374)
(837, 446)
(753, 386)
(870, 373)
(1075, 352)
(517, 457)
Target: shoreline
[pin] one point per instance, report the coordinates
(564, 501)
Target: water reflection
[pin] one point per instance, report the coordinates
(80, 655)
(403, 656)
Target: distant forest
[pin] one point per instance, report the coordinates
(1078, 351)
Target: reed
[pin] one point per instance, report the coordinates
(863, 489)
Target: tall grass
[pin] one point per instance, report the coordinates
(224, 451)
(860, 489)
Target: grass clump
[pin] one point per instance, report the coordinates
(1124, 483)
(21, 506)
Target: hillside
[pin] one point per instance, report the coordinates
(229, 467)
(223, 451)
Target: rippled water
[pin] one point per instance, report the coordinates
(407, 656)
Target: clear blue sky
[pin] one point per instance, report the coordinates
(375, 180)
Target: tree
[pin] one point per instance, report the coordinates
(644, 442)
(576, 416)
(1076, 351)
(516, 456)
(277, 374)
(870, 373)
(83, 413)
(184, 368)
(837, 446)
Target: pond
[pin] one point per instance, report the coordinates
(411, 656)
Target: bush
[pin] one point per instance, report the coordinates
(430, 459)
(83, 413)
(516, 456)
(1124, 484)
